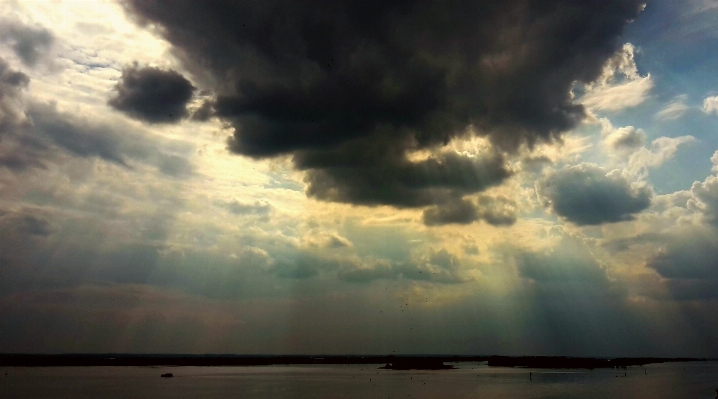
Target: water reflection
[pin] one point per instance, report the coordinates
(469, 380)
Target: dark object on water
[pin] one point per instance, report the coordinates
(531, 376)
(167, 375)
(409, 363)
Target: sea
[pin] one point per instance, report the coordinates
(692, 380)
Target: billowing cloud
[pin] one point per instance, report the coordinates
(619, 86)
(705, 195)
(439, 266)
(621, 65)
(152, 95)
(586, 194)
(496, 211)
(349, 88)
(710, 105)
(626, 139)
(662, 149)
(29, 43)
(630, 142)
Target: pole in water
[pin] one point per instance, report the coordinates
(531, 377)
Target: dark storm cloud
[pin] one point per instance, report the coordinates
(29, 43)
(360, 176)
(152, 95)
(498, 211)
(459, 212)
(372, 81)
(586, 195)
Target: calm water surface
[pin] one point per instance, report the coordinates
(675, 380)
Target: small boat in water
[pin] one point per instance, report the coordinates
(167, 375)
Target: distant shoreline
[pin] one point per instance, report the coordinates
(553, 362)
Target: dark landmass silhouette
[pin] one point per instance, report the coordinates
(394, 362)
(416, 363)
(563, 362)
(37, 360)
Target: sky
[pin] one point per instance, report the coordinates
(298, 177)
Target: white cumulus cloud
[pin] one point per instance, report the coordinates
(710, 105)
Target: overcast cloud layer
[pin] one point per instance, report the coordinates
(473, 177)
